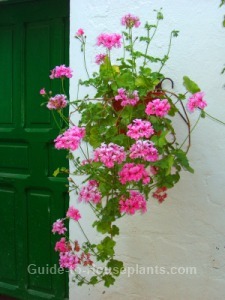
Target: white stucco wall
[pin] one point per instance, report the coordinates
(188, 229)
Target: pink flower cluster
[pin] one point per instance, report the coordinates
(140, 129)
(61, 72)
(130, 21)
(196, 101)
(133, 172)
(62, 245)
(57, 102)
(109, 40)
(160, 194)
(73, 213)
(158, 107)
(90, 192)
(127, 99)
(70, 139)
(109, 154)
(67, 257)
(80, 32)
(135, 202)
(68, 260)
(59, 227)
(145, 150)
(99, 58)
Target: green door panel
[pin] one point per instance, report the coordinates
(33, 40)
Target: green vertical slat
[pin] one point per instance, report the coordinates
(8, 259)
(6, 75)
(39, 30)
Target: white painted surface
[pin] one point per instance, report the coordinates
(188, 229)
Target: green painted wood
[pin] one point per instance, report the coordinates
(33, 39)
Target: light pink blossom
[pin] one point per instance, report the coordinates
(80, 32)
(196, 101)
(57, 102)
(139, 129)
(133, 172)
(109, 40)
(99, 58)
(61, 72)
(135, 202)
(90, 192)
(42, 92)
(109, 154)
(73, 213)
(70, 139)
(68, 260)
(130, 21)
(58, 227)
(126, 98)
(144, 150)
(158, 107)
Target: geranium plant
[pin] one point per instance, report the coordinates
(129, 146)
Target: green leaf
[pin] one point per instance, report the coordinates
(159, 15)
(56, 172)
(190, 85)
(109, 280)
(175, 33)
(203, 115)
(106, 248)
(93, 280)
(116, 266)
(103, 227)
(139, 81)
(181, 158)
(114, 230)
(125, 80)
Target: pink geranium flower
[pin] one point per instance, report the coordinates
(160, 194)
(133, 172)
(42, 92)
(158, 107)
(57, 102)
(126, 98)
(58, 227)
(109, 40)
(70, 139)
(135, 202)
(80, 32)
(90, 192)
(62, 245)
(140, 129)
(130, 21)
(68, 260)
(61, 72)
(109, 154)
(73, 213)
(196, 101)
(144, 150)
(99, 58)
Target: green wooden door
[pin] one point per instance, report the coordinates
(33, 39)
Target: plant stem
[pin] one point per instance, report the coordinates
(192, 129)
(85, 62)
(56, 120)
(168, 52)
(150, 39)
(86, 237)
(213, 118)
